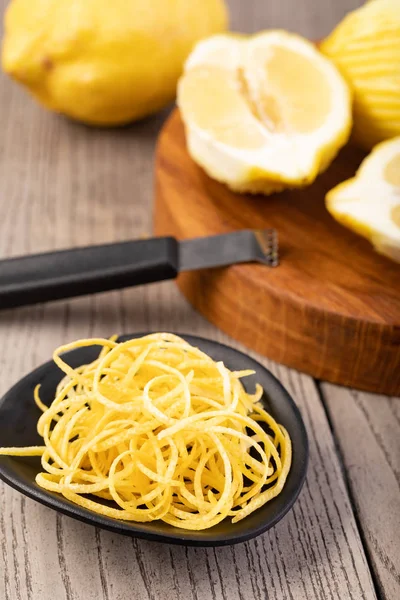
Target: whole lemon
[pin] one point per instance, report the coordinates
(365, 46)
(105, 62)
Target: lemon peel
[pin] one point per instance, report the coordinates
(365, 46)
(101, 62)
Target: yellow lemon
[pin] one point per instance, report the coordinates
(105, 62)
(263, 112)
(366, 48)
(370, 202)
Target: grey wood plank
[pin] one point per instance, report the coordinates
(315, 552)
(367, 427)
(62, 184)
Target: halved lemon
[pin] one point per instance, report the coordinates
(264, 112)
(370, 202)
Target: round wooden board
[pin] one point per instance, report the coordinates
(332, 307)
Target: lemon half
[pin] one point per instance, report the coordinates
(370, 202)
(263, 112)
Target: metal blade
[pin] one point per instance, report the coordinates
(247, 245)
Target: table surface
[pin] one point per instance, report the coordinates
(61, 185)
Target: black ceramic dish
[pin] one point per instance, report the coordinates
(19, 415)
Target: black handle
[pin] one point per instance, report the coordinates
(67, 273)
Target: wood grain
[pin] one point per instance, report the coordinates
(367, 425)
(65, 185)
(331, 309)
(315, 552)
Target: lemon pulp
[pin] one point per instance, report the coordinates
(279, 101)
(392, 171)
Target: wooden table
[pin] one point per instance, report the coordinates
(62, 185)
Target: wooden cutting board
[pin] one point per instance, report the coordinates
(332, 307)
